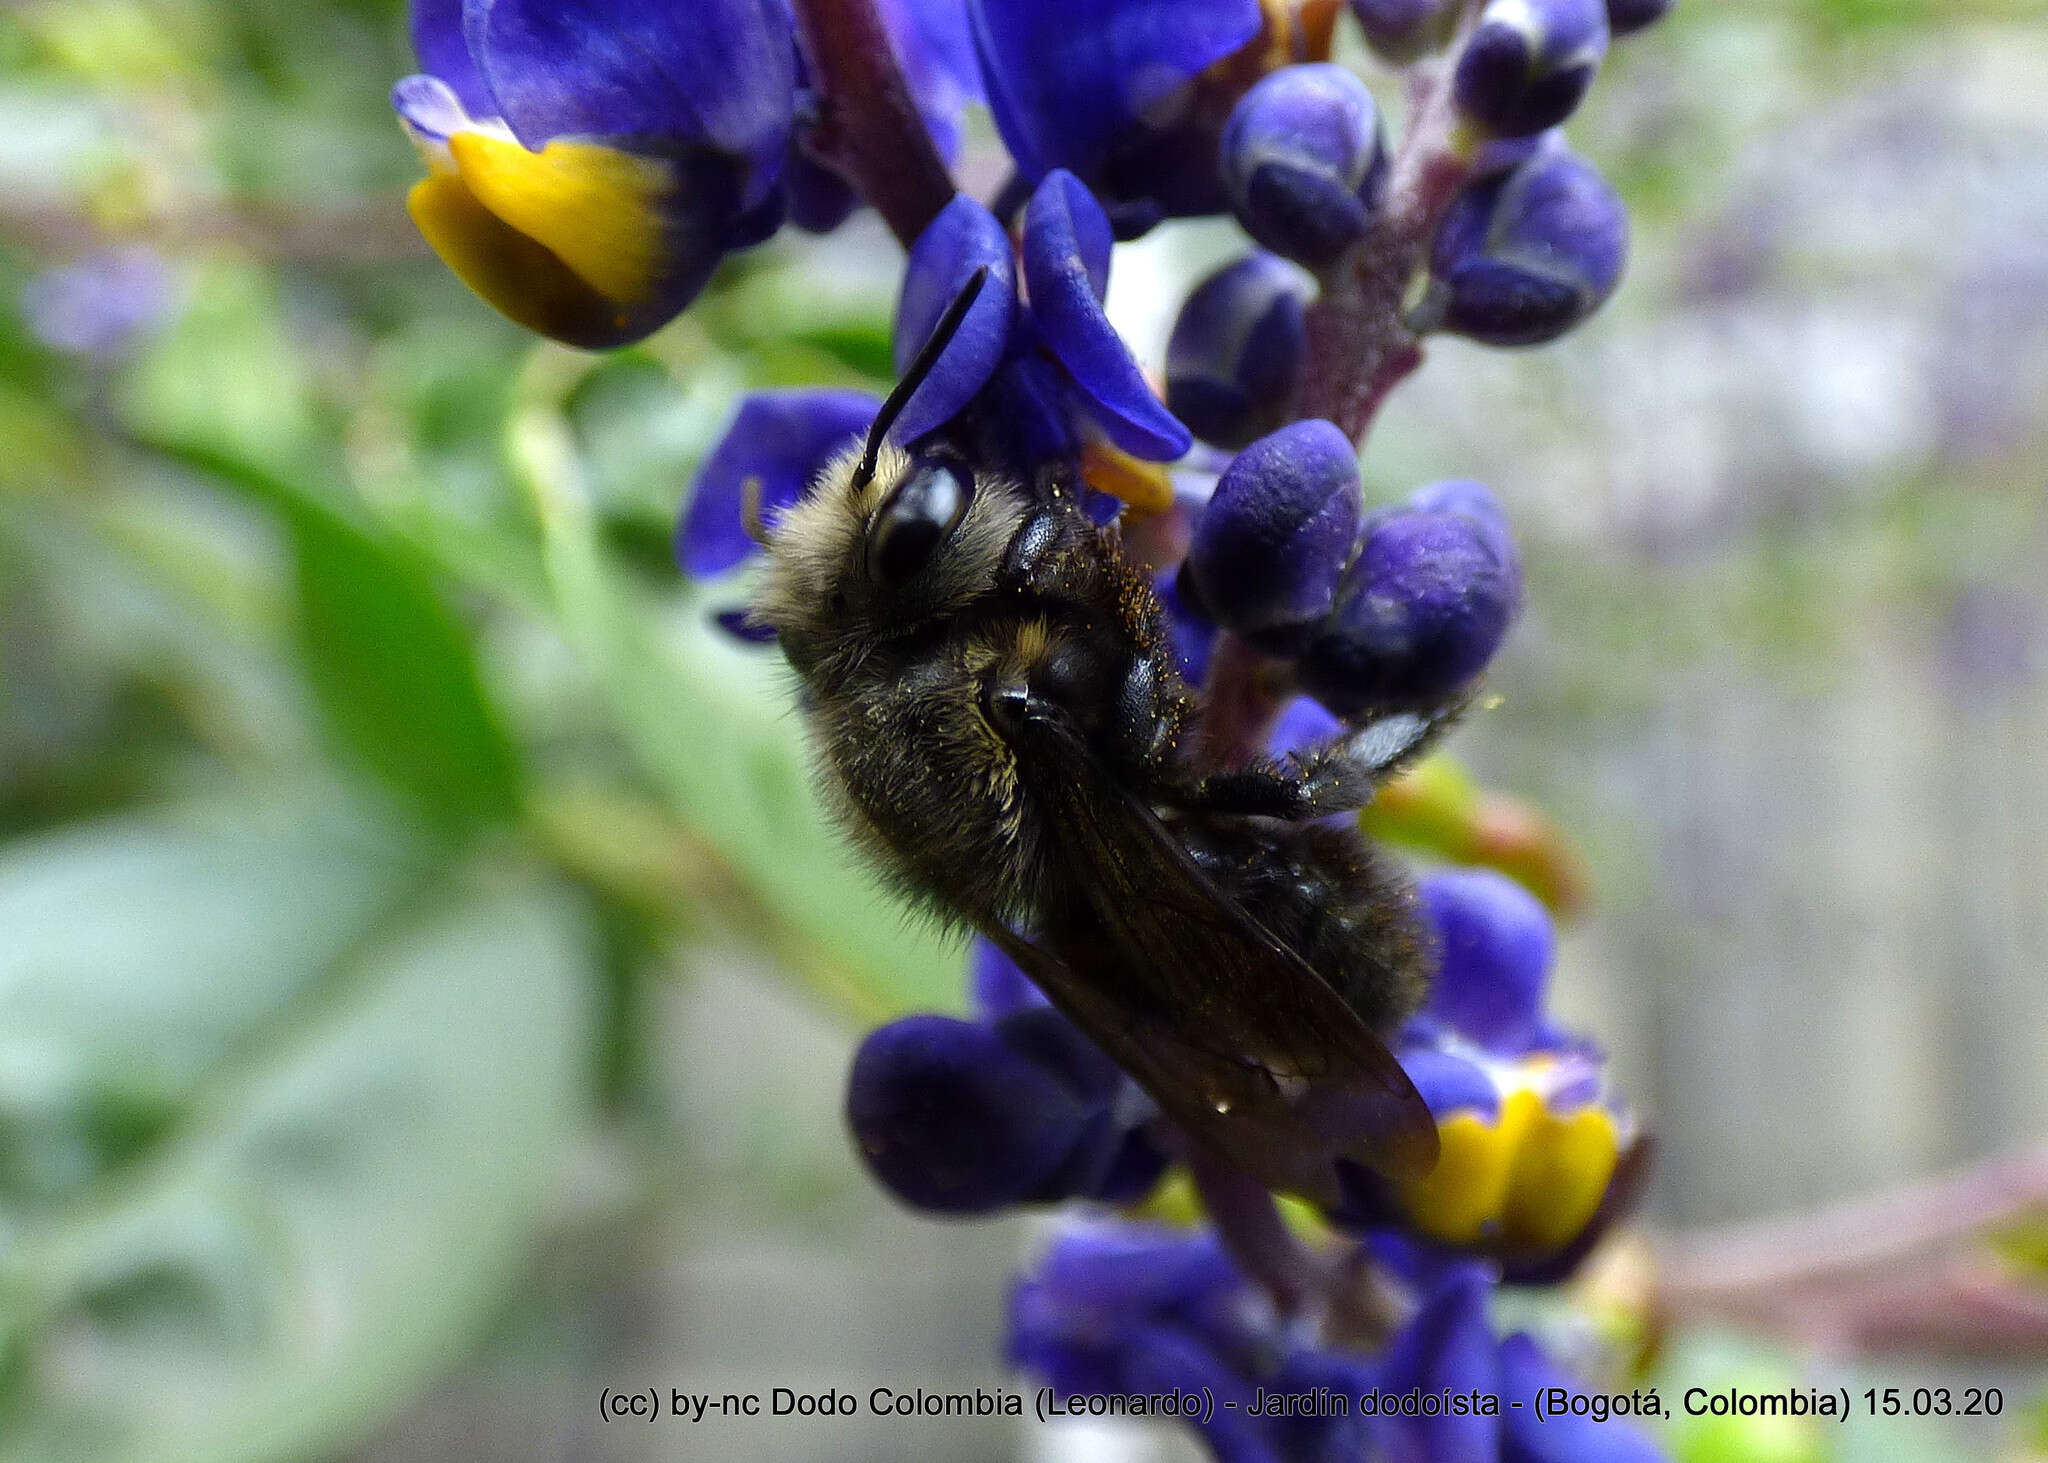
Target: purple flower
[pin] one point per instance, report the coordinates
(591, 161)
(1419, 613)
(1305, 160)
(1107, 89)
(1524, 255)
(1040, 382)
(1235, 363)
(102, 304)
(1121, 1309)
(1270, 549)
(1528, 63)
(1539, 1158)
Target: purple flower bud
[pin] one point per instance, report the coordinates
(1405, 30)
(1305, 160)
(953, 1119)
(1475, 501)
(1419, 614)
(1495, 944)
(1625, 17)
(1522, 258)
(1234, 364)
(1269, 550)
(1529, 62)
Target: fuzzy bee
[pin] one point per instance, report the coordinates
(1002, 727)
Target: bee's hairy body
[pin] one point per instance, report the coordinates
(906, 692)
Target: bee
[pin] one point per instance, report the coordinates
(1001, 725)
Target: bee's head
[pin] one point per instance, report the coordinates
(875, 557)
(887, 540)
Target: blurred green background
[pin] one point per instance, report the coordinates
(425, 979)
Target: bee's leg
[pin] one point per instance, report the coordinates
(1338, 776)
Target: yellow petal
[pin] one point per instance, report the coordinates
(1146, 486)
(1460, 1199)
(596, 209)
(1561, 1172)
(525, 281)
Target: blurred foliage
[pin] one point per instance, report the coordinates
(363, 761)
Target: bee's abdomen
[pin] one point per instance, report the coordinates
(1321, 889)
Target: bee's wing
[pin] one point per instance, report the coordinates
(1228, 1027)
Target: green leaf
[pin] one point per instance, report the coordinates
(710, 722)
(392, 667)
(397, 676)
(347, 1134)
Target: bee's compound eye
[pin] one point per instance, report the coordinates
(919, 516)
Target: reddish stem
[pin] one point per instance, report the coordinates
(869, 127)
(1909, 1270)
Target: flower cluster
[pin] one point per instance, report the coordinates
(590, 164)
(1124, 1310)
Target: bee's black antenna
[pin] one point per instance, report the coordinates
(927, 357)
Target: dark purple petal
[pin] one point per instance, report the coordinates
(964, 237)
(714, 73)
(1269, 550)
(1418, 616)
(1067, 244)
(1405, 30)
(1093, 87)
(1560, 1438)
(819, 200)
(1236, 361)
(780, 437)
(1523, 257)
(437, 41)
(1495, 943)
(1133, 1172)
(1529, 63)
(951, 1119)
(1305, 160)
(1625, 17)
